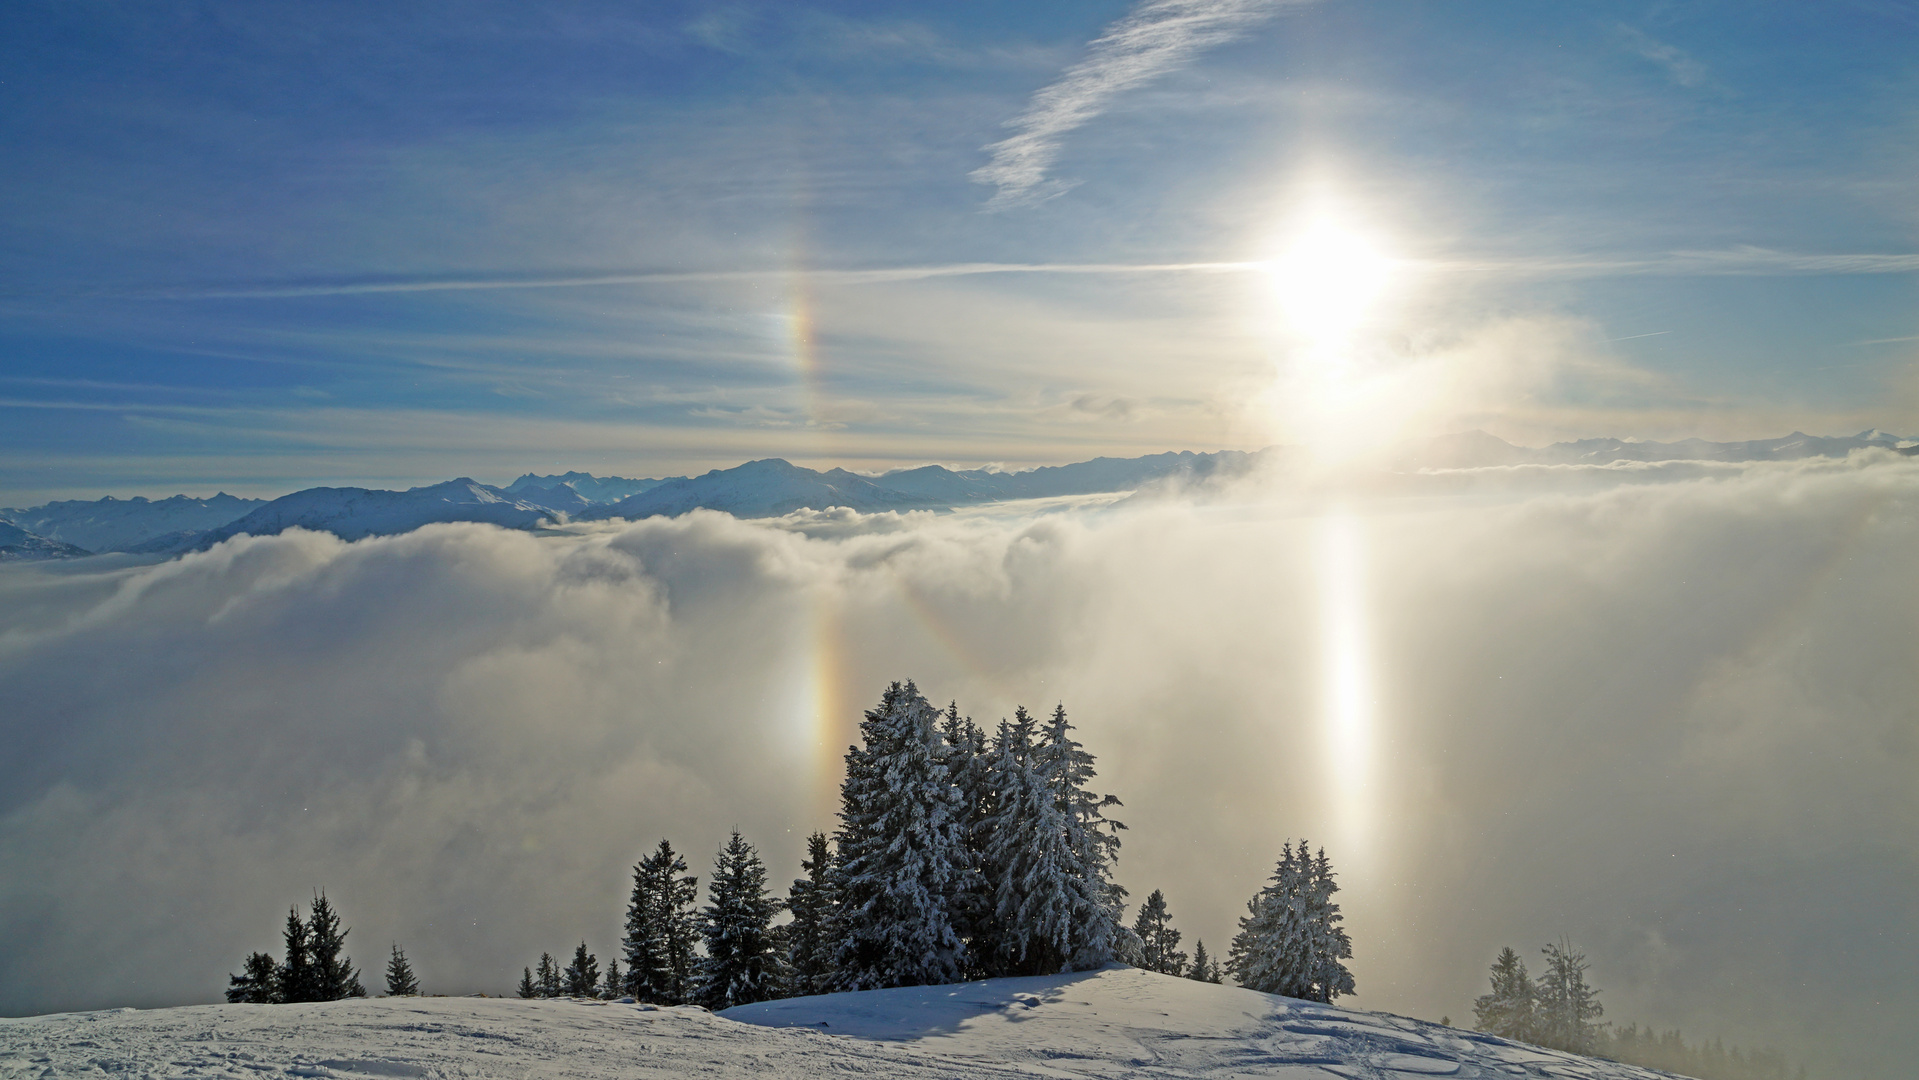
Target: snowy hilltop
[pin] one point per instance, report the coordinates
(1117, 1022)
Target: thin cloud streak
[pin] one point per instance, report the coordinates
(1744, 261)
(1153, 39)
(876, 276)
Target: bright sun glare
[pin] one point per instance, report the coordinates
(1328, 279)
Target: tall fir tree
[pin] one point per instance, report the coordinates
(258, 982)
(967, 767)
(810, 936)
(296, 978)
(1039, 882)
(1099, 936)
(1565, 1005)
(660, 928)
(1507, 1011)
(400, 981)
(739, 967)
(582, 976)
(333, 974)
(1158, 941)
(1290, 942)
(1327, 941)
(528, 988)
(901, 853)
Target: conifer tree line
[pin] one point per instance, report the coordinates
(315, 967)
(1561, 1010)
(959, 854)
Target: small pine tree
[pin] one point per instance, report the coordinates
(1158, 941)
(615, 983)
(582, 976)
(399, 975)
(295, 977)
(1205, 969)
(739, 966)
(1566, 1006)
(333, 974)
(527, 988)
(547, 977)
(810, 936)
(1507, 1011)
(258, 981)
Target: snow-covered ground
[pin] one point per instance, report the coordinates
(1114, 1023)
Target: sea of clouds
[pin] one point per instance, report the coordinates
(1669, 712)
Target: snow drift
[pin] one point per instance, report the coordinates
(1114, 1023)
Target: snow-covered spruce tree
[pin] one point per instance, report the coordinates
(1290, 942)
(901, 855)
(810, 936)
(295, 977)
(1158, 941)
(333, 974)
(1508, 1010)
(257, 983)
(546, 978)
(1099, 936)
(1204, 969)
(614, 983)
(1328, 943)
(739, 967)
(399, 975)
(1565, 1006)
(967, 766)
(660, 928)
(527, 988)
(1039, 882)
(582, 976)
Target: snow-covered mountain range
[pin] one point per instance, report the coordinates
(772, 487)
(112, 524)
(1118, 1022)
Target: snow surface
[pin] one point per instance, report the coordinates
(1119, 1022)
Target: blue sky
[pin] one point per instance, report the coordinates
(241, 245)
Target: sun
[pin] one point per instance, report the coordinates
(1328, 278)
(1331, 283)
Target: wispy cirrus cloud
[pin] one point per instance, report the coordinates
(1154, 38)
(1680, 65)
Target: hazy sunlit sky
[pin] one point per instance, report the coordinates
(240, 240)
(1665, 710)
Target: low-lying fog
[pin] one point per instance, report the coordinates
(1668, 714)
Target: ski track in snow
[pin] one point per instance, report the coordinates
(1114, 1023)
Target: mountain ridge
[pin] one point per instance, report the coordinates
(769, 487)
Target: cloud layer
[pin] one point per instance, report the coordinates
(1668, 713)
